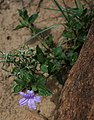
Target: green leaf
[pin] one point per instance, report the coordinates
(40, 55)
(44, 68)
(68, 34)
(20, 82)
(79, 5)
(43, 91)
(32, 18)
(19, 27)
(34, 87)
(50, 66)
(41, 80)
(17, 88)
(24, 23)
(26, 76)
(23, 14)
(58, 52)
(72, 57)
(55, 68)
(61, 10)
(49, 41)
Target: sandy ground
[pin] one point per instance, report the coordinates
(9, 39)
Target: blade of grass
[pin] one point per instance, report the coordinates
(79, 5)
(66, 9)
(48, 28)
(76, 3)
(52, 9)
(39, 5)
(60, 8)
(57, 10)
(40, 2)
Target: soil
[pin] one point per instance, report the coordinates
(9, 40)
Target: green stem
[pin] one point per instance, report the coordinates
(66, 9)
(76, 3)
(59, 7)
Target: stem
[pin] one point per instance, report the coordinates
(66, 8)
(39, 5)
(76, 3)
(40, 38)
(59, 7)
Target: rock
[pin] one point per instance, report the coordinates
(32, 116)
(47, 107)
(77, 96)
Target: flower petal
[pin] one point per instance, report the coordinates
(27, 96)
(23, 94)
(23, 101)
(31, 93)
(37, 99)
(31, 104)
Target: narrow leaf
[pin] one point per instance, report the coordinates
(60, 8)
(42, 31)
(19, 27)
(17, 88)
(32, 18)
(44, 68)
(23, 14)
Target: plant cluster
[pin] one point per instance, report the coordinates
(77, 23)
(27, 21)
(32, 67)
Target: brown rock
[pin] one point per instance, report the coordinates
(47, 107)
(32, 116)
(77, 97)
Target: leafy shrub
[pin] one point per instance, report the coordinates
(29, 65)
(25, 63)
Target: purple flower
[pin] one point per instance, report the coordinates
(29, 99)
